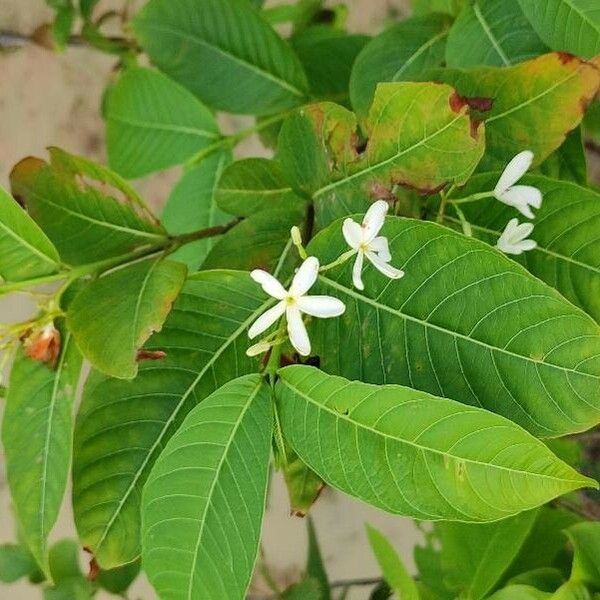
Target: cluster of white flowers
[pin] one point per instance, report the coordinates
(365, 242)
(514, 238)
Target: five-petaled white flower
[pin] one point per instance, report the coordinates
(293, 303)
(364, 240)
(522, 197)
(513, 239)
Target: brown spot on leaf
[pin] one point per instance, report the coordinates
(94, 570)
(43, 344)
(475, 124)
(381, 192)
(565, 57)
(480, 103)
(150, 355)
(457, 102)
(422, 191)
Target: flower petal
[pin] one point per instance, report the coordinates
(514, 170)
(526, 193)
(269, 284)
(353, 233)
(305, 277)
(526, 245)
(297, 331)
(523, 231)
(266, 320)
(517, 200)
(380, 245)
(384, 267)
(356, 272)
(374, 219)
(321, 306)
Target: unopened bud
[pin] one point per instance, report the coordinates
(296, 236)
(259, 348)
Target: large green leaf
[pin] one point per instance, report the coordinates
(571, 25)
(37, 435)
(568, 162)
(123, 425)
(492, 32)
(567, 231)
(413, 130)
(411, 453)
(465, 322)
(401, 51)
(520, 592)
(83, 209)
(392, 567)
(533, 104)
(133, 301)
(475, 556)
(450, 7)
(327, 54)
(254, 184)
(303, 484)
(25, 251)
(585, 538)
(192, 205)
(224, 52)
(154, 123)
(203, 503)
(572, 590)
(256, 242)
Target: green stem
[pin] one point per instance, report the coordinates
(442, 210)
(466, 226)
(275, 356)
(338, 261)
(472, 198)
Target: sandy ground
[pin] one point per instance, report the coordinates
(53, 99)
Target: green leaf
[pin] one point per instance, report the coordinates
(414, 454)
(392, 567)
(117, 581)
(413, 131)
(519, 592)
(568, 162)
(254, 184)
(25, 251)
(154, 123)
(492, 32)
(307, 589)
(327, 55)
(533, 104)
(134, 301)
(465, 322)
(192, 205)
(572, 590)
(474, 557)
(303, 484)
(64, 561)
(86, 213)
(315, 567)
(204, 500)
(15, 562)
(545, 579)
(37, 434)
(123, 425)
(585, 538)
(566, 230)
(571, 25)
(401, 51)
(224, 52)
(63, 25)
(451, 7)
(257, 242)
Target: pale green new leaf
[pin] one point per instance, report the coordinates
(115, 314)
(401, 51)
(520, 592)
(85, 212)
(224, 52)
(192, 205)
(37, 438)
(492, 32)
(585, 538)
(569, 25)
(475, 556)
(254, 184)
(572, 590)
(25, 251)
(122, 426)
(154, 123)
(203, 503)
(465, 322)
(414, 454)
(566, 229)
(392, 567)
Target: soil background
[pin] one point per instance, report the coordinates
(49, 99)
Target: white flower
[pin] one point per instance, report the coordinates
(513, 239)
(363, 238)
(293, 303)
(522, 197)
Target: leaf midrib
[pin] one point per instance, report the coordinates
(23, 242)
(250, 66)
(488, 31)
(428, 44)
(174, 414)
(422, 448)
(422, 323)
(164, 127)
(214, 483)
